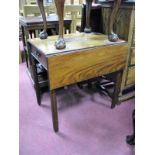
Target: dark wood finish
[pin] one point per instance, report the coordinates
(123, 26)
(99, 18)
(54, 110)
(43, 34)
(95, 19)
(124, 2)
(39, 56)
(30, 24)
(88, 10)
(36, 82)
(130, 139)
(132, 57)
(60, 43)
(111, 35)
(118, 81)
(79, 61)
(41, 73)
(36, 23)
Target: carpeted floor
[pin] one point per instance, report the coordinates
(87, 125)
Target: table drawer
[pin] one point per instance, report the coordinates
(39, 56)
(130, 76)
(132, 58)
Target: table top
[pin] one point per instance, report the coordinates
(38, 19)
(74, 42)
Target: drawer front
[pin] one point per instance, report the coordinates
(132, 59)
(39, 56)
(130, 76)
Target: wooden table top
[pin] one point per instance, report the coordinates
(74, 42)
(38, 19)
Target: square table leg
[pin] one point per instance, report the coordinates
(117, 86)
(36, 82)
(54, 110)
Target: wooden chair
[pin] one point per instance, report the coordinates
(33, 10)
(25, 2)
(75, 12)
(30, 9)
(52, 8)
(71, 10)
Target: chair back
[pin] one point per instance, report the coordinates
(74, 11)
(33, 10)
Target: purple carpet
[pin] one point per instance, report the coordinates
(87, 125)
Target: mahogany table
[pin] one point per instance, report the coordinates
(86, 56)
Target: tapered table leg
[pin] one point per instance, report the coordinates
(116, 89)
(36, 82)
(54, 110)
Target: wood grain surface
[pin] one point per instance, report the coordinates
(122, 20)
(131, 76)
(74, 42)
(74, 67)
(132, 60)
